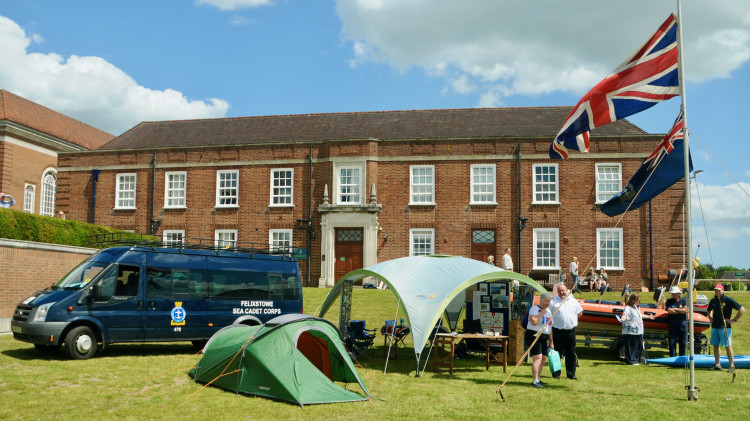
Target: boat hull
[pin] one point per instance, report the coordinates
(601, 319)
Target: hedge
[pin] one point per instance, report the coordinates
(16, 225)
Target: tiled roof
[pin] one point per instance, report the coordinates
(383, 125)
(30, 114)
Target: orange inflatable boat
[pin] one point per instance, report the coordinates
(602, 318)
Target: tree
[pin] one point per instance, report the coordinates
(704, 272)
(722, 269)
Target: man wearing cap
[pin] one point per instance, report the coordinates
(677, 311)
(720, 314)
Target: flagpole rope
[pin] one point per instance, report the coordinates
(720, 164)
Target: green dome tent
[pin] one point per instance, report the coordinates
(294, 357)
(425, 285)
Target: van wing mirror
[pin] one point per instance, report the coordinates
(97, 289)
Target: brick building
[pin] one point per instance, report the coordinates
(380, 185)
(31, 136)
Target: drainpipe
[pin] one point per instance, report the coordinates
(309, 218)
(651, 243)
(521, 220)
(154, 222)
(95, 178)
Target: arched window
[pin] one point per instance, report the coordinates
(49, 183)
(28, 199)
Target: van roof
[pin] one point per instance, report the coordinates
(193, 246)
(203, 252)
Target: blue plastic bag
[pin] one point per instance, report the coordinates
(554, 360)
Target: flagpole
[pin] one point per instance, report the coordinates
(692, 393)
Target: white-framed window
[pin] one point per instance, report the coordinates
(609, 248)
(608, 181)
(282, 187)
(421, 242)
(125, 191)
(545, 184)
(226, 239)
(175, 189)
(546, 248)
(280, 240)
(29, 192)
(49, 187)
(483, 184)
(174, 237)
(422, 185)
(350, 179)
(227, 188)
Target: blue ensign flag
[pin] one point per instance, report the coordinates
(664, 167)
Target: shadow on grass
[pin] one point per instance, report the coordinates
(111, 351)
(28, 354)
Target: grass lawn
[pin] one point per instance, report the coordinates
(150, 381)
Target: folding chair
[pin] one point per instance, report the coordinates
(394, 336)
(361, 339)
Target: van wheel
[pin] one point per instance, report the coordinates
(199, 345)
(46, 349)
(80, 344)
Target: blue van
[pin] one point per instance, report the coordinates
(140, 294)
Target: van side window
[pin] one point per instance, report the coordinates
(120, 281)
(197, 284)
(239, 284)
(158, 282)
(283, 286)
(128, 278)
(175, 283)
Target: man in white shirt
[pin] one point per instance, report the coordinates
(507, 261)
(564, 323)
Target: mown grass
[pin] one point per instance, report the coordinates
(150, 381)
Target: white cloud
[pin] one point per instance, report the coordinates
(462, 85)
(539, 47)
(237, 20)
(234, 4)
(90, 89)
(726, 210)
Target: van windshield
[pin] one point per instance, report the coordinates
(82, 274)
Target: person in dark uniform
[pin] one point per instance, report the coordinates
(720, 314)
(677, 311)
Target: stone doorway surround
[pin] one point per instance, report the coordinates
(347, 216)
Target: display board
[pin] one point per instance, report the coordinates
(489, 305)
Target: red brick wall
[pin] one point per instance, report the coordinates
(29, 267)
(577, 217)
(19, 165)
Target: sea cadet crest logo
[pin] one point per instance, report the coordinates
(178, 314)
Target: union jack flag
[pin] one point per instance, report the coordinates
(659, 171)
(645, 78)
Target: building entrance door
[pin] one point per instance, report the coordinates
(483, 245)
(349, 251)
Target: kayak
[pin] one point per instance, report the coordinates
(703, 361)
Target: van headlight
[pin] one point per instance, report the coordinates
(41, 312)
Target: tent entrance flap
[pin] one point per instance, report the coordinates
(316, 351)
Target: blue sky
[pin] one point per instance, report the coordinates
(113, 64)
